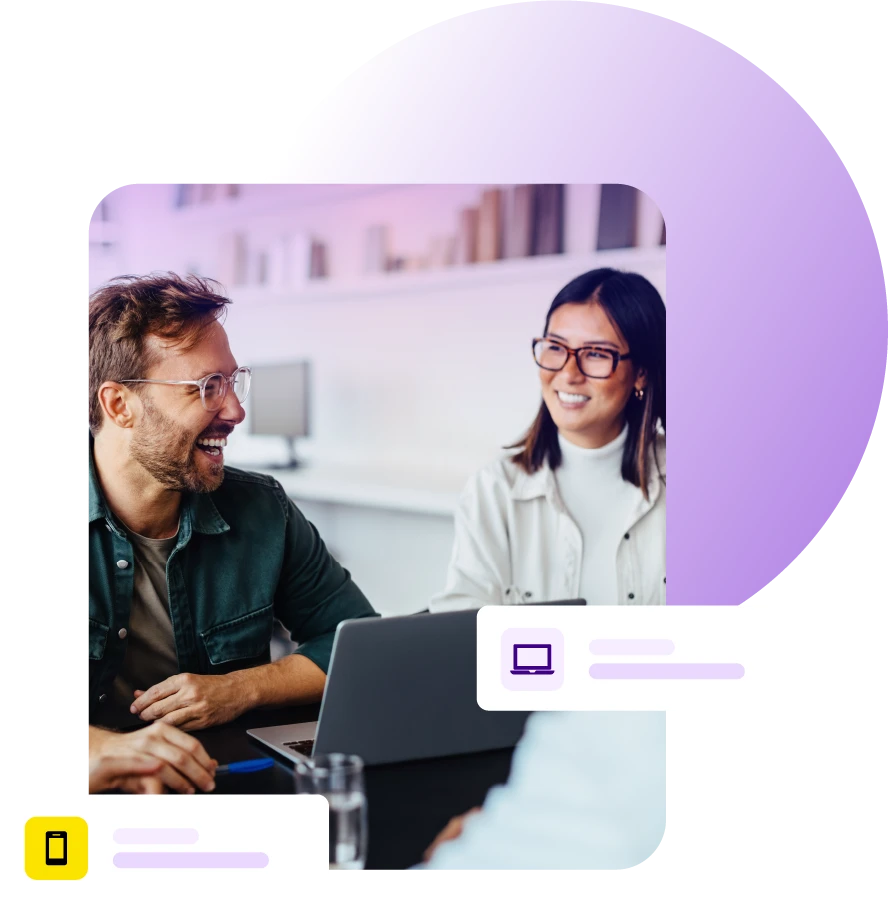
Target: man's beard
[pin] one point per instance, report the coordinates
(166, 452)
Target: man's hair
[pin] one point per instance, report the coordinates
(123, 312)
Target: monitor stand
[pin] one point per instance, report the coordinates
(292, 463)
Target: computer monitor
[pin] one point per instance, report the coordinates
(279, 403)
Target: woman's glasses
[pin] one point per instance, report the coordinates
(593, 362)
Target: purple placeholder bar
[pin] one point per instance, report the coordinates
(188, 860)
(155, 836)
(667, 670)
(631, 647)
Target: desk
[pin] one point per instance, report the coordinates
(425, 491)
(407, 803)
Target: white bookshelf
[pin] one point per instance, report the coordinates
(650, 262)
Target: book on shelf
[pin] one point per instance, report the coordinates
(318, 263)
(581, 202)
(376, 249)
(442, 251)
(206, 193)
(297, 259)
(548, 221)
(490, 223)
(260, 267)
(518, 231)
(617, 216)
(233, 265)
(467, 236)
(181, 196)
(649, 224)
(186, 194)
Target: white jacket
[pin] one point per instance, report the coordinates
(516, 543)
(587, 790)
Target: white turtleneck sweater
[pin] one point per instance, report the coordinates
(601, 503)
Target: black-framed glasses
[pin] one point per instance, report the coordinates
(593, 362)
(213, 388)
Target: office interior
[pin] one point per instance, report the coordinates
(403, 345)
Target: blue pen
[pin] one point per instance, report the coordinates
(248, 765)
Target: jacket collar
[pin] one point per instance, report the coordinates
(542, 483)
(199, 512)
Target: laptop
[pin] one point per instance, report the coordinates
(532, 659)
(401, 688)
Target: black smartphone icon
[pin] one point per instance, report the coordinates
(57, 848)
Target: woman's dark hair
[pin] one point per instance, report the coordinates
(635, 307)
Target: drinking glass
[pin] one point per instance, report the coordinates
(340, 778)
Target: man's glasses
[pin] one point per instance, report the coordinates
(593, 362)
(213, 388)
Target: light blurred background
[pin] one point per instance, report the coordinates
(407, 311)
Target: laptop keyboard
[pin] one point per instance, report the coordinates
(303, 747)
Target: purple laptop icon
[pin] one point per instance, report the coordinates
(532, 659)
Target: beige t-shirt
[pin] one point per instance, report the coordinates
(151, 647)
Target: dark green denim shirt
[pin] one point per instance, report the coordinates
(244, 557)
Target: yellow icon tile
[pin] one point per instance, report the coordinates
(55, 848)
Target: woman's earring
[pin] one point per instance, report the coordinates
(639, 393)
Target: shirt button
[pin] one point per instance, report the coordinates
(122, 563)
(632, 596)
(122, 633)
(626, 535)
(103, 698)
(527, 595)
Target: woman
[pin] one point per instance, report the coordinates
(580, 509)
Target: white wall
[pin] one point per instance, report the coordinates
(437, 375)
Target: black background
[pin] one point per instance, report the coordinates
(743, 796)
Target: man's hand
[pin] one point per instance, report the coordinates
(453, 829)
(193, 701)
(149, 761)
(133, 773)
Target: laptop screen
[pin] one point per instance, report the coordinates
(533, 656)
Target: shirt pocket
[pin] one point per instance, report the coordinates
(245, 640)
(98, 638)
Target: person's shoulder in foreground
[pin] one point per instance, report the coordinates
(587, 790)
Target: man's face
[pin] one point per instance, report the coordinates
(173, 425)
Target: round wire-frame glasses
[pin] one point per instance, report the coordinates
(213, 388)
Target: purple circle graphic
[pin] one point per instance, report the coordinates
(777, 326)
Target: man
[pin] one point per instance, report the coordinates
(190, 562)
(587, 790)
(150, 761)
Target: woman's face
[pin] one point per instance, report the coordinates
(588, 411)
